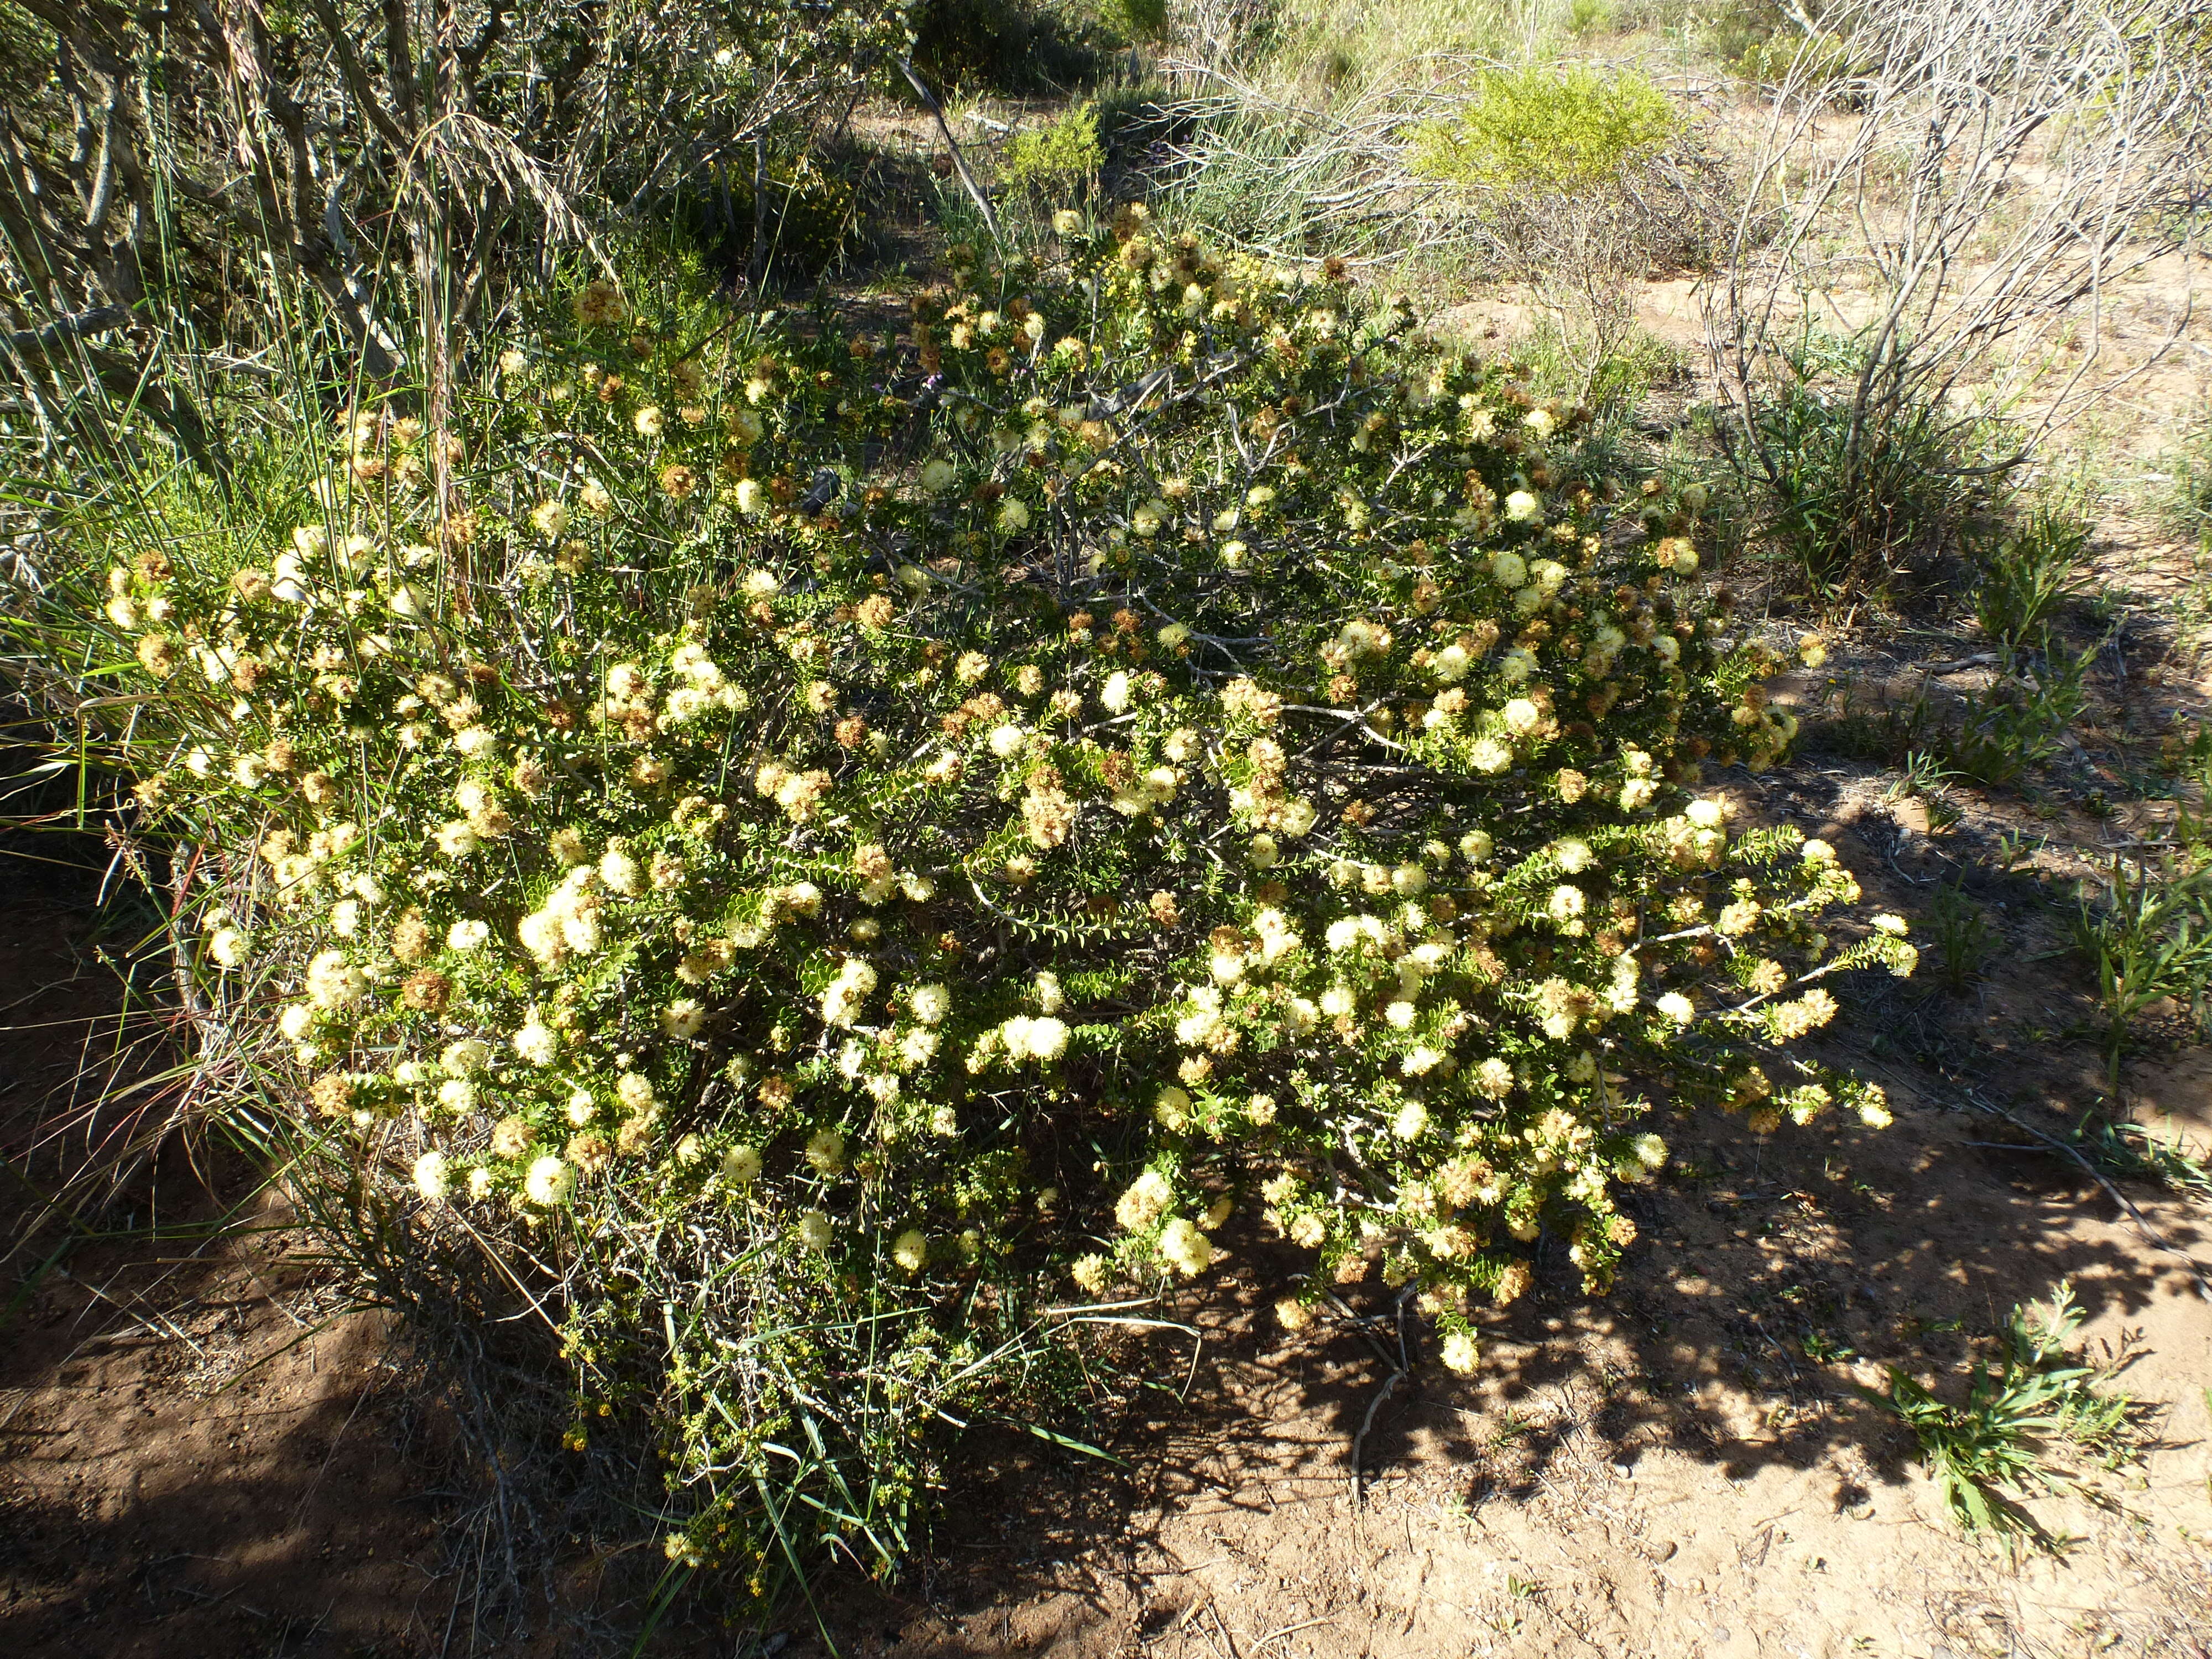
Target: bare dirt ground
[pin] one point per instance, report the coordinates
(201, 1452)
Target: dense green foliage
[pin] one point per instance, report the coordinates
(1545, 128)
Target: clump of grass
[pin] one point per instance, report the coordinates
(2187, 507)
(1863, 486)
(2132, 1152)
(1964, 938)
(2026, 575)
(2022, 1415)
(2017, 722)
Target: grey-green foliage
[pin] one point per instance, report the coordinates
(1865, 479)
(2026, 574)
(389, 155)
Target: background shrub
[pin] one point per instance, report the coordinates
(1548, 128)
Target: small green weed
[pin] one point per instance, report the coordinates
(1964, 938)
(2026, 576)
(2017, 722)
(2014, 850)
(2186, 754)
(2019, 1414)
(1922, 774)
(2150, 939)
(2130, 1151)
(2187, 508)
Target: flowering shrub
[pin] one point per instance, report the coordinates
(833, 840)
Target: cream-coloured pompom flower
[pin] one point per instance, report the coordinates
(649, 422)
(939, 475)
(931, 1003)
(741, 1165)
(1490, 756)
(1066, 223)
(1043, 1040)
(1184, 1247)
(825, 1151)
(1013, 515)
(620, 874)
(750, 497)
(1412, 1122)
(1459, 1353)
(910, 1250)
(1817, 853)
(1171, 1110)
(1524, 505)
(1812, 651)
(1115, 696)
(332, 982)
(227, 948)
(844, 1000)
(433, 1177)
(550, 1181)
(549, 519)
(466, 1055)
(538, 1043)
(815, 1232)
(1891, 923)
(1144, 1202)
(683, 1019)
(468, 934)
(1677, 1007)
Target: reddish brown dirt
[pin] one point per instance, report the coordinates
(204, 1453)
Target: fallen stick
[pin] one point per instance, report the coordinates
(2151, 1234)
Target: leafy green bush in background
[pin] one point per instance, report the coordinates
(1543, 127)
(1059, 159)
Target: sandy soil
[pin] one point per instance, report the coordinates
(202, 1451)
